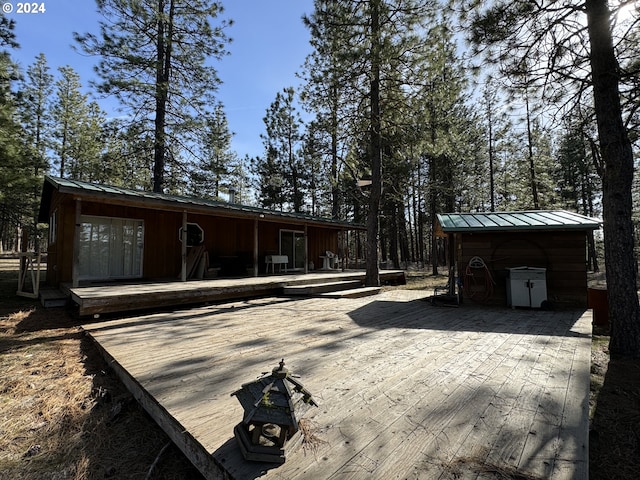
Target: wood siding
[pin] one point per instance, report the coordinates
(225, 238)
(562, 253)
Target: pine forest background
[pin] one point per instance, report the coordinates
(456, 125)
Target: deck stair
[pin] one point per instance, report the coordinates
(339, 289)
(321, 287)
(352, 293)
(52, 298)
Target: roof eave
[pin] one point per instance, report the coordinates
(146, 200)
(521, 229)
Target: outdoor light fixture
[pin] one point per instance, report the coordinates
(273, 405)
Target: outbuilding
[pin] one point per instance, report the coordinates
(487, 250)
(106, 233)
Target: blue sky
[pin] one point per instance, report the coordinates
(269, 46)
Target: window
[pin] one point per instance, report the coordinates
(110, 248)
(53, 227)
(195, 234)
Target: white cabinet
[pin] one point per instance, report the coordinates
(526, 286)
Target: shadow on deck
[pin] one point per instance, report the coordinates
(406, 390)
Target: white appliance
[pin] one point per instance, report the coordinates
(526, 286)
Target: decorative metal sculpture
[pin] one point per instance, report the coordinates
(273, 404)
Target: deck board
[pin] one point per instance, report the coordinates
(128, 296)
(406, 390)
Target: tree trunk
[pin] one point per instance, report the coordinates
(532, 167)
(492, 187)
(335, 190)
(617, 156)
(163, 67)
(420, 223)
(432, 214)
(372, 278)
(411, 225)
(404, 228)
(393, 229)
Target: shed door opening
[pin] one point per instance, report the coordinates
(110, 248)
(292, 245)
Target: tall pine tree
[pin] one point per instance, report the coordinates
(155, 58)
(552, 37)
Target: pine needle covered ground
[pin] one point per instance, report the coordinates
(63, 413)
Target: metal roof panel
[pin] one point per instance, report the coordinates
(522, 220)
(97, 190)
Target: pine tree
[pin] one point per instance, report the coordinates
(323, 185)
(14, 171)
(269, 183)
(127, 158)
(88, 145)
(322, 95)
(442, 124)
(213, 168)
(552, 37)
(77, 134)
(154, 56)
(283, 151)
(365, 56)
(34, 107)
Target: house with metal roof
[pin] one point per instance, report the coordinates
(489, 249)
(101, 232)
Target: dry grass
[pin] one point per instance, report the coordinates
(63, 413)
(422, 280)
(310, 441)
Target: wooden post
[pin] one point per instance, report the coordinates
(343, 234)
(28, 269)
(345, 250)
(255, 247)
(183, 273)
(75, 268)
(306, 249)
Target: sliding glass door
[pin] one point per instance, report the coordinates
(292, 245)
(110, 248)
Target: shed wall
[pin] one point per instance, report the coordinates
(562, 253)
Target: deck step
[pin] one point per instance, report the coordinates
(53, 298)
(318, 288)
(352, 293)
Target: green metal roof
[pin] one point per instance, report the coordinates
(515, 221)
(175, 202)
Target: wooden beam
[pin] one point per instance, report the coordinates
(183, 274)
(255, 247)
(306, 249)
(75, 268)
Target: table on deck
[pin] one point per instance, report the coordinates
(406, 390)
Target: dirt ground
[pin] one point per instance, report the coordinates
(64, 414)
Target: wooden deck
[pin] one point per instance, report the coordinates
(406, 390)
(123, 297)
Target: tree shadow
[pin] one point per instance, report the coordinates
(614, 437)
(420, 314)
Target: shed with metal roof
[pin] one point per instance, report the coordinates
(101, 232)
(487, 244)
